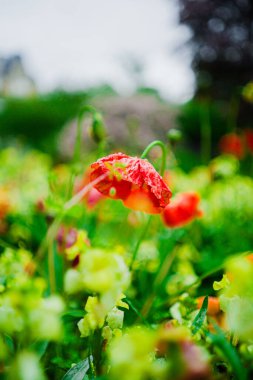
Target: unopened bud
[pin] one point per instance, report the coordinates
(98, 132)
(174, 135)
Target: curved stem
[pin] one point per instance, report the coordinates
(87, 109)
(164, 153)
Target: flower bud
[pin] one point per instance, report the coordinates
(97, 131)
(174, 135)
(115, 318)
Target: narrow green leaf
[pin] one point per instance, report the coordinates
(78, 371)
(73, 314)
(9, 342)
(130, 303)
(39, 347)
(220, 341)
(200, 317)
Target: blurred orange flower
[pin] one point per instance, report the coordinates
(133, 180)
(182, 210)
(213, 305)
(4, 203)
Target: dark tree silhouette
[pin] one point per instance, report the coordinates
(222, 41)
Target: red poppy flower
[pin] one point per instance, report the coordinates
(182, 210)
(133, 180)
(232, 144)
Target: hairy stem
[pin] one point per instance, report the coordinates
(164, 153)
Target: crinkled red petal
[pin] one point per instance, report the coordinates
(126, 174)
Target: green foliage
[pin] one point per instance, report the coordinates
(220, 341)
(200, 317)
(92, 279)
(78, 371)
(37, 121)
(191, 119)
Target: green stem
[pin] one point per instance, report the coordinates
(219, 340)
(161, 275)
(5, 244)
(142, 236)
(87, 109)
(140, 316)
(233, 112)
(146, 227)
(51, 268)
(200, 279)
(52, 231)
(90, 358)
(164, 153)
(205, 134)
(197, 282)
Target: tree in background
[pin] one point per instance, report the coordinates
(223, 42)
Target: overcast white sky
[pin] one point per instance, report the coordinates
(77, 43)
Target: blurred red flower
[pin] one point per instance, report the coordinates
(232, 144)
(93, 196)
(248, 134)
(133, 180)
(182, 210)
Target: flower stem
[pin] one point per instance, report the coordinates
(97, 127)
(142, 236)
(51, 268)
(52, 231)
(206, 130)
(163, 164)
(161, 275)
(164, 153)
(87, 109)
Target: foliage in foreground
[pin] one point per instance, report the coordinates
(92, 289)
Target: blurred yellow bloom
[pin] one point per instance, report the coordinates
(247, 92)
(95, 317)
(236, 298)
(100, 272)
(97, 314)
(131, 355)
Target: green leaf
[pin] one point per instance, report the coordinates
(9, 342)
(220, 341)
(200, 317)
(78, 371)
(39, 347)
(73, 314)
(137, 312)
